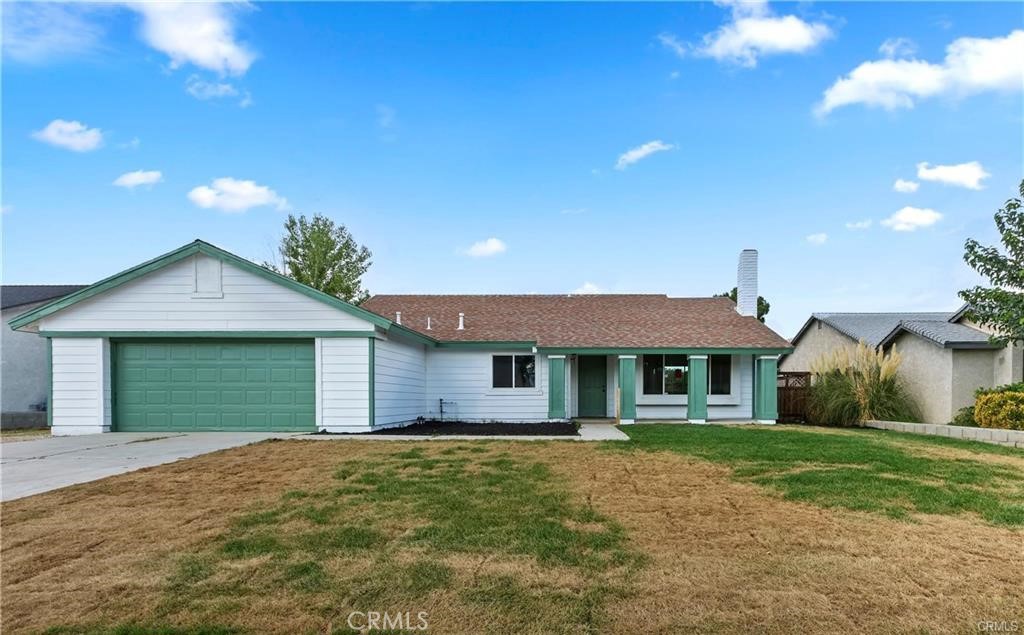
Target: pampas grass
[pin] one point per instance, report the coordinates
(852, 385)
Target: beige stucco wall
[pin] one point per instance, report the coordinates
(1008, 363)
(972, 369)
(24, 374)
(818, 339)
(927, 372)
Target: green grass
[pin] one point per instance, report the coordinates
(859, 470)
(378, 533)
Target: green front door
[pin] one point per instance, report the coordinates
(214, 385)
(592, 386)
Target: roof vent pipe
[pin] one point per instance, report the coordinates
(398, 317)
(462, 321)
(428, 322)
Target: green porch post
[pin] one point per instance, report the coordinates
(556, 386)
(627, 388)
(697, 389)
(766, 409)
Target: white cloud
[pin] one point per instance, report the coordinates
(906, 187)
(910, 219)
(629, 157)
(971, 65)
(967, 175)
(897, 47)
(39, 32)
(134, 179)
(202, 89)
(755, 31)
(588, 288)
(672, 43)
(488, 247)
(130, 145)
(246, 100)
(859, 224)
(234, 195)
(818, 239)
(72, 135)
(197, 33)
(673, 75)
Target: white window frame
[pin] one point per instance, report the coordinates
(731, 399)
(536, 372)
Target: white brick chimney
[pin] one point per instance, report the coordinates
(746, 283)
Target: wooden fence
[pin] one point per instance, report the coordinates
(792, 392)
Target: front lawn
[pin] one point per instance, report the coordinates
(685, 528)
(856, 469)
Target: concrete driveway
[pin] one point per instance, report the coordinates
(41, 465)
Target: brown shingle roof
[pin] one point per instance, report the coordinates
(567, 321)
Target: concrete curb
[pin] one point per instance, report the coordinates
(1008, 438)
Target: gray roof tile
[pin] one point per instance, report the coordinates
(873, 327)
(12, 295)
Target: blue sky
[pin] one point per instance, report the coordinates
(531, 148)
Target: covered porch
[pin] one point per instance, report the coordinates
(693, 385)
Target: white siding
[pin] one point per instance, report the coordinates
(464, 378)
(400, 372)
(342, 384)
(737, 406)
(167, 300)
(81, 385)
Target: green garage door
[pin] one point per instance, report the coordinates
(214, 385)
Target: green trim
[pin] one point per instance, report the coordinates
(209, 334)
(766, 389)
(627, 388)
(556, 388)
(191, 249)
(372, 381)
(506, 345)
(411, 334)
(49, 372)
(669, 350)
(697, 390)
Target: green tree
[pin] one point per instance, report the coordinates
(1001, 305)
(323, 255)
(762, 305)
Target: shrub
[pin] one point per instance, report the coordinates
(964, 417)
(1000, 410)
(859, 385)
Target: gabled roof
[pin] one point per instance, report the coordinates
(582, 321)
(942, 333)
(14, 295)
(185, 251)
(872, 328)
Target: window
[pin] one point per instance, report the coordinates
(670, 374)
(513, 371)
(665, 374)
(719, 374)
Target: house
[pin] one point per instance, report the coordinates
(201, 339)
(24, 378)
(946, 357)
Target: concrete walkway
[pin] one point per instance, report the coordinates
(41, 465)
(588, 432)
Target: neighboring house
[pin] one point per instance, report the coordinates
(24, 378)
(946, 357)
(200, 339)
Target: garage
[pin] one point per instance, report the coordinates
(261, 385)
